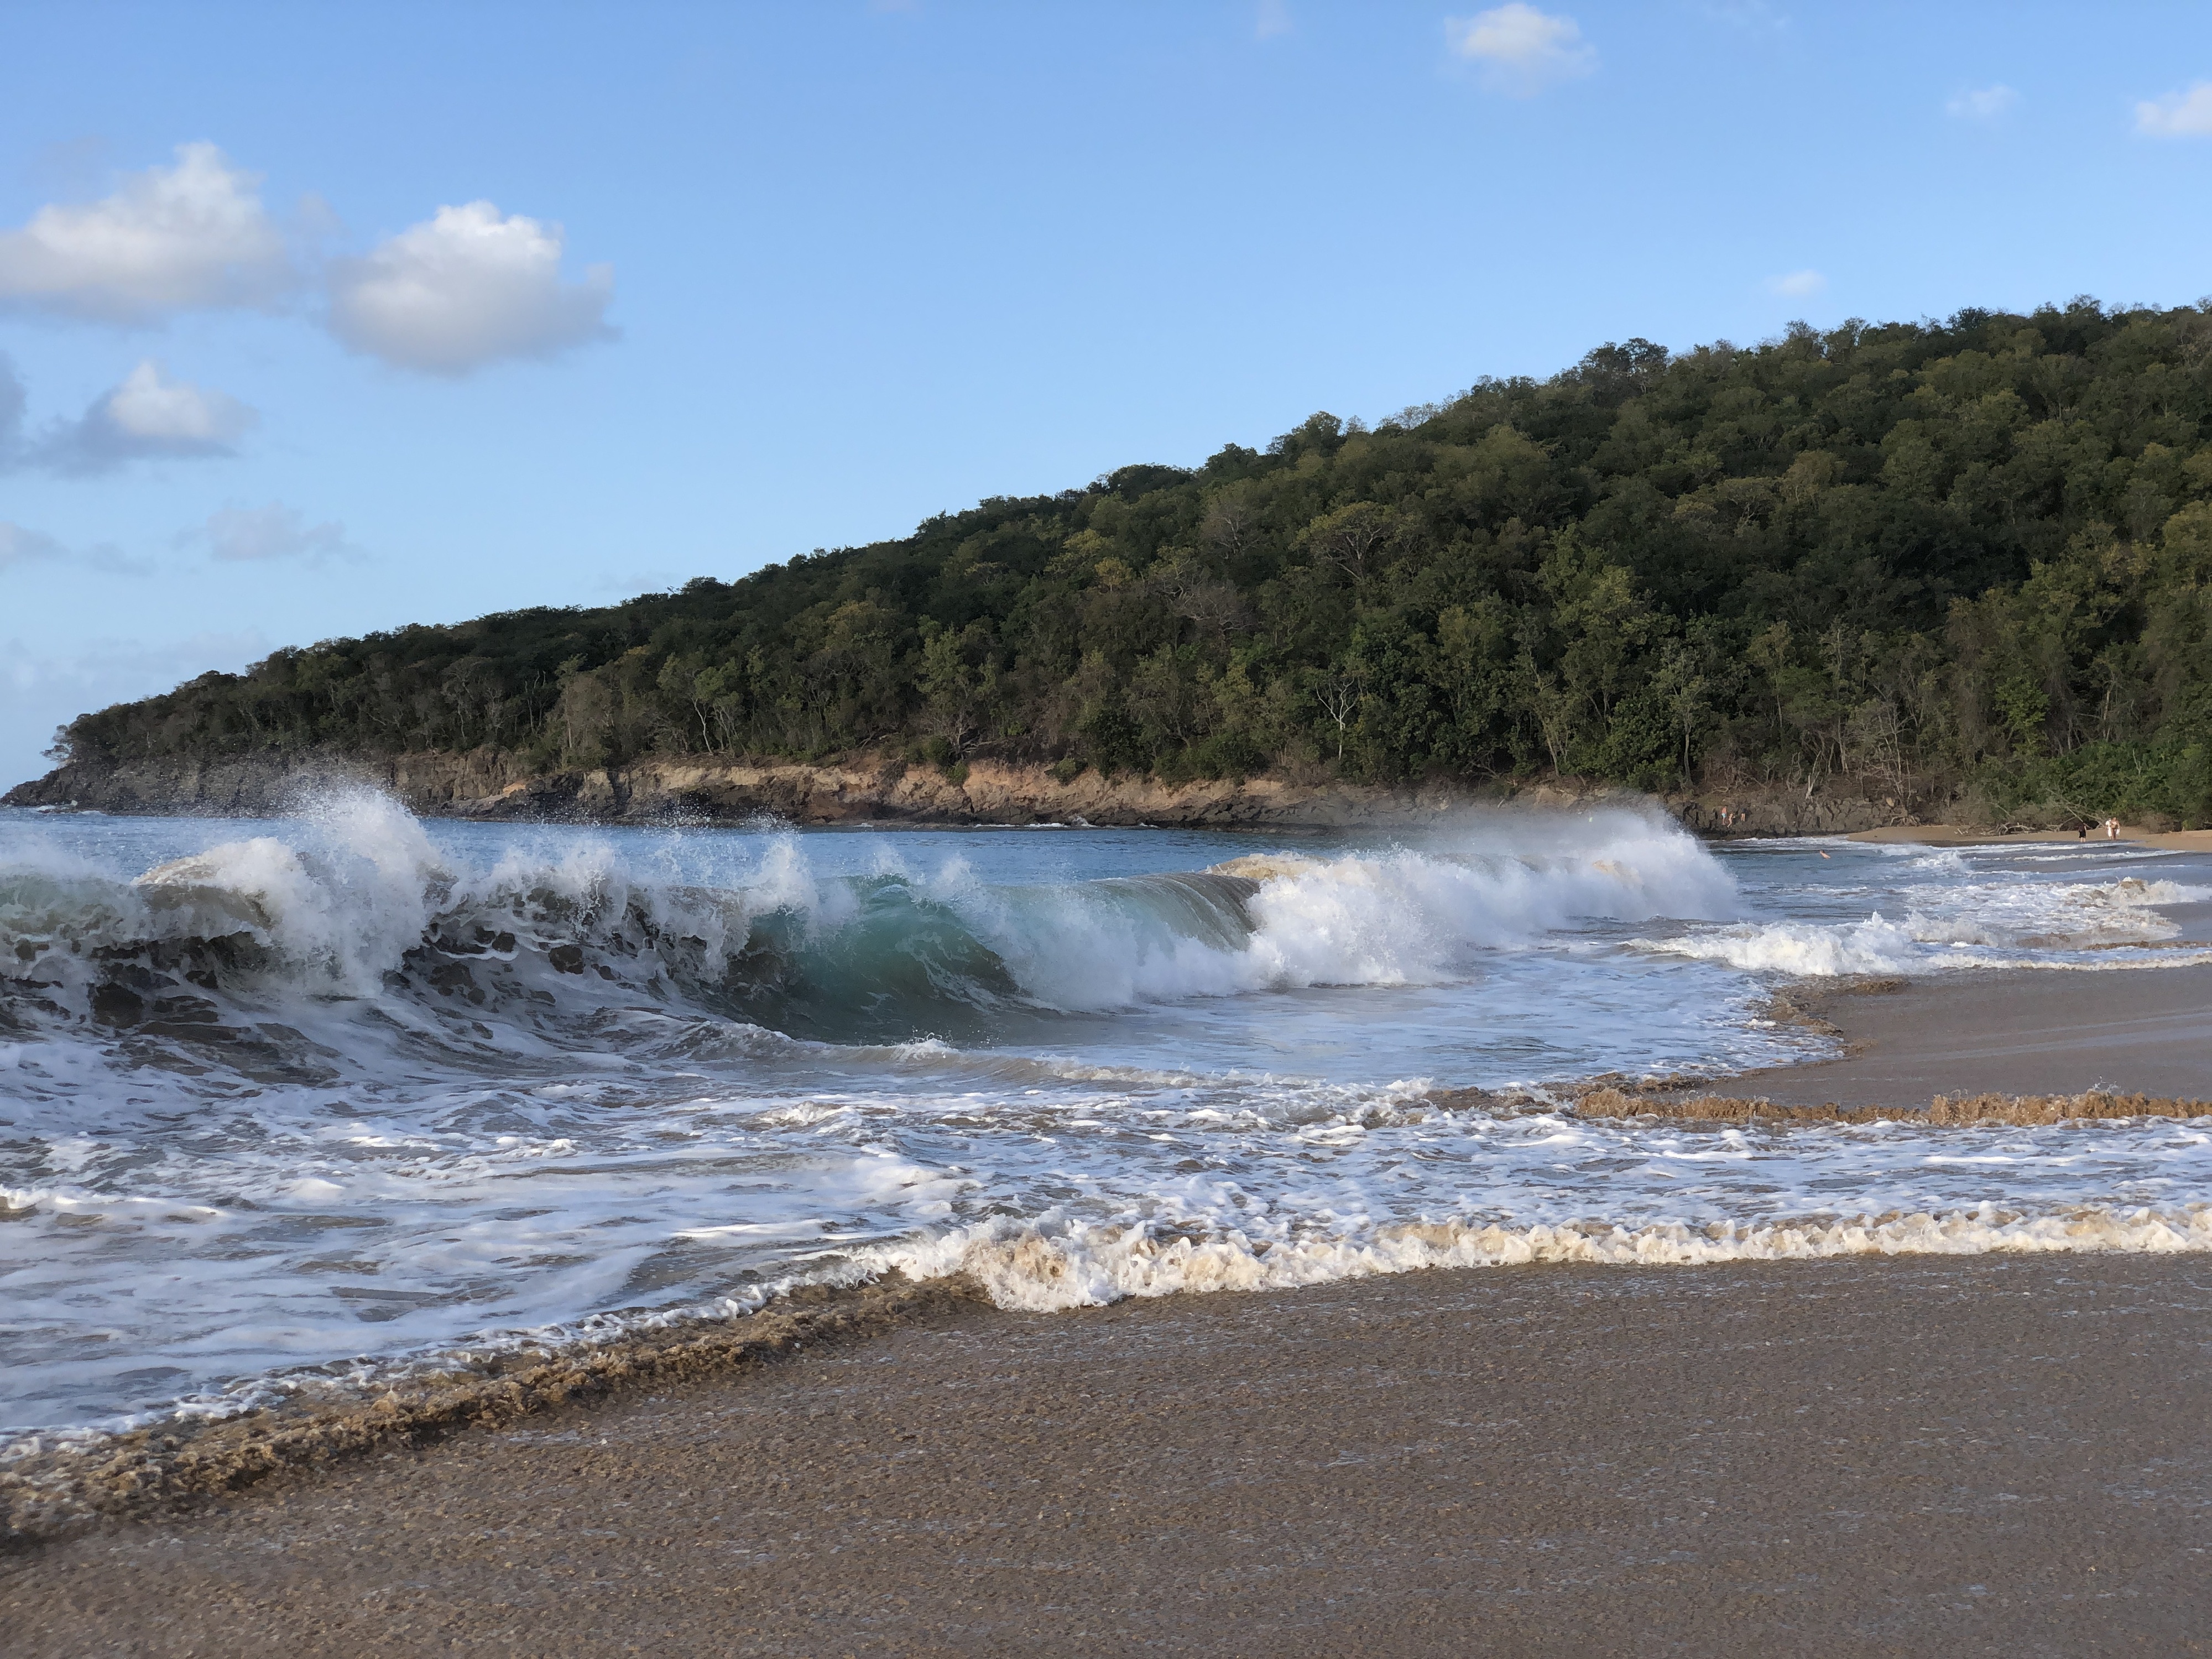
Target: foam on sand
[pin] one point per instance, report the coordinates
(1091, 1266)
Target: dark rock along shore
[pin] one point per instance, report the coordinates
(494, 785)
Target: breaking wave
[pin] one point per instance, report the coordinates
(360, 907)
(345, 1094)
(2061, 924)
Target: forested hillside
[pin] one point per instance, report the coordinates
(1975, 555)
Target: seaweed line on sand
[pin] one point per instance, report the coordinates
(1948, 1111)
(48, 1493)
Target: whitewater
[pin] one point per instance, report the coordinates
(295, 1102)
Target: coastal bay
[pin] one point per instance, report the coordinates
(905, 829)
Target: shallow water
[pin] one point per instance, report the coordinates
(307, 1097)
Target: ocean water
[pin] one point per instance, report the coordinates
(325, 1096)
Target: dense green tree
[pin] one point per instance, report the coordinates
(1927, 555)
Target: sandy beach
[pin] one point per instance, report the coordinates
(2020, 1032)
(1985, 1454)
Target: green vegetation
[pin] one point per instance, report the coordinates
(1974, 555)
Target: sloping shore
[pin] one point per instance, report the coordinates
(493, 784)
(2010, 1032)
(1981, 1456)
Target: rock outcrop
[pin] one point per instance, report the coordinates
(666, 789)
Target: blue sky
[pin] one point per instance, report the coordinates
(325, 321)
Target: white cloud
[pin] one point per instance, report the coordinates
(1272, 18)
(467, 287)
(238, 534)
(149, 416)
(189, 237)
(1798, 284)
(1521, 51)
(2179, 114)
(464, 289)
(149, 407)
(1981, 103)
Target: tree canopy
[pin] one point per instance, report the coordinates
(1969, 553)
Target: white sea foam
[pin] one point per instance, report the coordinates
(471, 1084)
(1038, 1272)
(1950, 924)
(344, 902)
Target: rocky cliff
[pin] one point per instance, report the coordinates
(490, 784)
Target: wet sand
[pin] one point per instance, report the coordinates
(2027, 1032)
(1983, 1456)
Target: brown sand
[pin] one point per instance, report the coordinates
(1948, 1111)
(2028, 1032)
(1985, 1456)
(149, 1471)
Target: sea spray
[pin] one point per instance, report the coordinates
(324, 1097)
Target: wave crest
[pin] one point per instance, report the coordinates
(358, 904)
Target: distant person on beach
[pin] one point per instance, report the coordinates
(2111, 828)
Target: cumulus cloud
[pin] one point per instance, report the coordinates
(150, 417)
(1520, 50)
(245, 534)
(1981, 103)
(467, 287)
(464, 289)
(2179, 114)
(193, 236)
(1797, 284)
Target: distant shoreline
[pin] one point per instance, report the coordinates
(1956, 835)
(492, 786)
